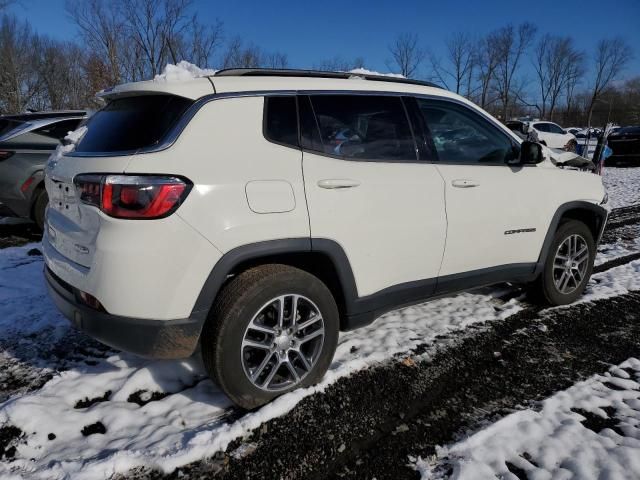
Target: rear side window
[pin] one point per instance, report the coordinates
(542, 127)
(7, 125)
(59, 130)
(281, 120)
(132, 123)
(364, 127)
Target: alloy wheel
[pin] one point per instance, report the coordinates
(570, 264)
(282, 343)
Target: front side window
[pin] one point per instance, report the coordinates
(462, 136)
(132, 123)
(367, 127)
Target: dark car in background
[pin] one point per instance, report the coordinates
(26, 141)
(625, 144)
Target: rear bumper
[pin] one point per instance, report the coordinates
(147, 338)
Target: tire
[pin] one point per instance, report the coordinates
(253, 297)
(571, 146)
(39, 207)
(546, 289)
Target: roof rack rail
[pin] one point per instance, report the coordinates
(275, 72)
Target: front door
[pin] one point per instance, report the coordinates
(495, 219)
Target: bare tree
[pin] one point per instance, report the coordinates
(200, 42)
(611, 57)
(61, 67)
(407, 54)
(276, 60)
(457, 71)
(339, 64)
(154, 26)
(20, 84)
(239, 55)
(511, 43)
(555, 63)
(102, 28)
(486, 57)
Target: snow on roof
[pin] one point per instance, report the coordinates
(182, 71)
(364, 71)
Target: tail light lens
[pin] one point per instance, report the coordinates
(25, 186)
(133, 196)
(4, 154)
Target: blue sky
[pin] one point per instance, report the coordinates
(312, 31)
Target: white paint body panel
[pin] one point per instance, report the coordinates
(506, 199)
(391, 223)
(391, 219)
(270, 196)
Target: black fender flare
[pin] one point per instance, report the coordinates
(272, 248)
(598, 211)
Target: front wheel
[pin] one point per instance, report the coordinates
(273, 329)
(568, 265)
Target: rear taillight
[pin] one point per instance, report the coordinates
(133, 196)
(25, 186)
(4, 154)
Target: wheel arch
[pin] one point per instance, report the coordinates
(592, 215)
(325, 259)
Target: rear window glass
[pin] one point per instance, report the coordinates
(364, 127)
(281, 120)
(132, 123)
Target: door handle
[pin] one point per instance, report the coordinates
(462, 183)
(335, 183)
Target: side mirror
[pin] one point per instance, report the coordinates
(530, 153)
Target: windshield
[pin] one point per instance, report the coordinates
(132, 123)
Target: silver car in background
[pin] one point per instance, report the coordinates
(26, 141)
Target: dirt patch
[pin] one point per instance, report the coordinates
(9, 436)
(142, 397)
(87, 402)
(94, 428)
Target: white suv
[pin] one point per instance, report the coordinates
(257, 213)
(553, 136)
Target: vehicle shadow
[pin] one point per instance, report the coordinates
(17, 232)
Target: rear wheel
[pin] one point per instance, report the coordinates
(568, 265)
(39, 207)
(273, 329)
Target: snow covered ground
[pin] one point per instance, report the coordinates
(589, 431)
(188, 418)
(623, 186)
(99, 412)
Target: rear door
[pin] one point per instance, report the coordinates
(495, 212)
(372, 190)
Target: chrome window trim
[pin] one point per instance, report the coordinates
(172, 135)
